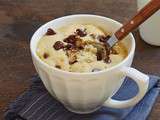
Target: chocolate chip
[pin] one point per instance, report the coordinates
(81, 33)
(70, 39)
(70, 46)
(50, 32)
(58, 66)
(74, 42)
(107, 37)
(96, 70)
(102, 38)
(107, 60)
(99, 55)
(107, 50)
(45, 55)
(58, 45)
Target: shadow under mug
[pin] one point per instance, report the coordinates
(86, 92)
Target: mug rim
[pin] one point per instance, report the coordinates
(130, 53)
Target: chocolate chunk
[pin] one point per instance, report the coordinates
(58, 45)
(107, 50)
(58, 66)
(70, 39)
(74, 42)
(81, 33)
(45, 55)
(70, 46)
(50, 32)
(102, 38)
(99, 55)
(108, 36)
(107, 60)
(96, 70)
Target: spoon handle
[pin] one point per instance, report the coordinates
(138, 19)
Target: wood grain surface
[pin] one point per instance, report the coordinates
(20, 18)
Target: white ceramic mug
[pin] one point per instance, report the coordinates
(86, 92)
(150, 29)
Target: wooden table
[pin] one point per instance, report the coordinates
(20, 18)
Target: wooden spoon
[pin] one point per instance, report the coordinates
(138, 19)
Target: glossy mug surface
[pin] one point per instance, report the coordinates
(86, 92)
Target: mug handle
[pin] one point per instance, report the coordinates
(141, 80)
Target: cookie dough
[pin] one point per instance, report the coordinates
(74, 48)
